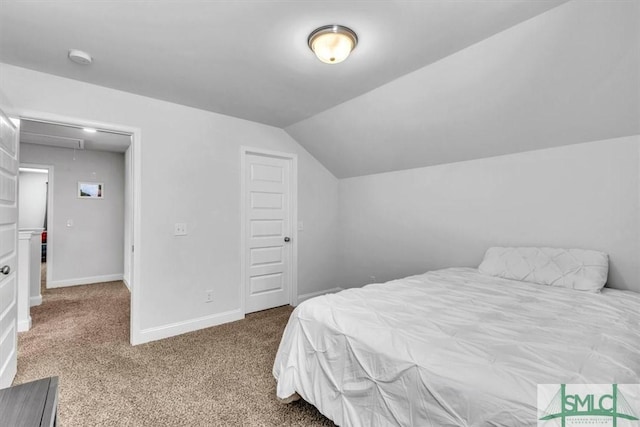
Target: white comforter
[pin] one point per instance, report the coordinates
(453, 347)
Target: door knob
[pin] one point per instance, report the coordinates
(286, 239)
(5, 269)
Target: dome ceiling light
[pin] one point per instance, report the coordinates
(80, 57)
(332, 43)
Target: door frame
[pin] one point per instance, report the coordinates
(136, 200)
(293, 158)
(50, 179)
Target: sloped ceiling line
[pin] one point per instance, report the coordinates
(568, 76)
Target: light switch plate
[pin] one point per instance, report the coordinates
(180, 229)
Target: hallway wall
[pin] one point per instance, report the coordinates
(86, 236)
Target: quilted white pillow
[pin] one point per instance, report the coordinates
(578, 269)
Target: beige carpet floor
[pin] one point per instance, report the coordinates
(219, 376)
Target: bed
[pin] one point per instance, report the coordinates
(455, 347)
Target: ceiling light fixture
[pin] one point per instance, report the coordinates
(33, 170)
(90, 130)
(80, 57)
(332, 43)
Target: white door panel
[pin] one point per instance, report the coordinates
(266, 256)
(265, 228)
(268, 221)
(266, 200)
(8, 253)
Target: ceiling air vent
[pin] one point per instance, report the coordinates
(51, 141)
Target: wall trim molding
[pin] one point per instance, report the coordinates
(178, 328)
(37, 300)
(84, 281)
(310, 295)
(24, 325)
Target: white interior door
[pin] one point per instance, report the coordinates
(268, 216)
(8, 249)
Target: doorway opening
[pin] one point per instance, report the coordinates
(35, 183)
(87, 238)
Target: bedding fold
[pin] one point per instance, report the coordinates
(453, 347)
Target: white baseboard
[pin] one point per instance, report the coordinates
(83, 281)
(37, 300)
(178, 328)
(126, 283)
(305, 297)
(24, 325)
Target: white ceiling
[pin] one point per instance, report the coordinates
(247, 59)
(58, 135)
(569, 76)
(430, 82)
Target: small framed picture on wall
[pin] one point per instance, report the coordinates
(90, 190)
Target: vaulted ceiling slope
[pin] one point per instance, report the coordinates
(567, 76)
(247, 59)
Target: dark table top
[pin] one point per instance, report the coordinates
(30, 404)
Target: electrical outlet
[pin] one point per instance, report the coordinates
(209, 296)
(372, 278)
(180, 229)
(300, 226)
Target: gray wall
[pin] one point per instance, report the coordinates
(191, 173)
(581, 196)
(92, 249)
(32, 199)
(471, 100)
